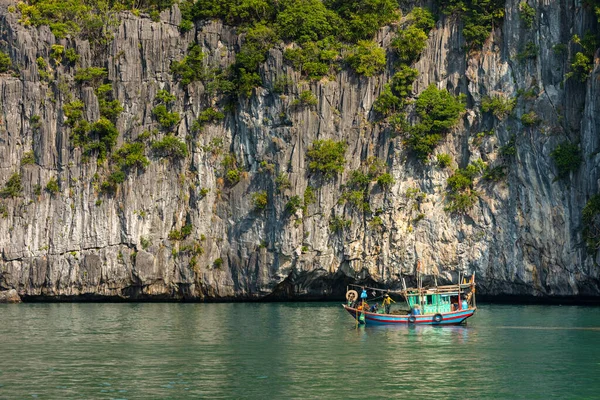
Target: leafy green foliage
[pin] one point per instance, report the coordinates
(527, 14)
(307, 20)
(12, 187)
(591, 223)
(165, 118)
(444, 160)
(190, 69)
(171, 147)
(52, 186)
(43, 69)
(479, 17)
(185, 231)
(293, 205)
(74, 112)
(366, 58)
(509, 149)
(402, 81)
(461, 196)
(582, 62)
(494, 174)
(387, 103)
(400, 88)
(131, 155)
(530, 119)
(385, 180)
(164, 97)
(363, 18)
(391, 99)
(260, 200)
(102, 137)
(326, 157)
(110, 108)
(233, 174)
(306, 98)
(338, 224)
(500, 106)
(581, 67)
(57, 52)
(438, 112)
(71, 56)
(207, 116)
(314, 59)
(309, 196)
(409, 44)
(5, 62)
(567, 158)
(92, 75)
(28, 158)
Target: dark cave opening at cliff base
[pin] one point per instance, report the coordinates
(315, 287)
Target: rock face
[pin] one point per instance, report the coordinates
(9, 296)
(523, 236)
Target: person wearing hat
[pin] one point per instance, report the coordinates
(387, 303)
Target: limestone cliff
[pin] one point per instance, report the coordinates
(523, 236)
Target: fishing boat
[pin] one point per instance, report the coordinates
(437, 305)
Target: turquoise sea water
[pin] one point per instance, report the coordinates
(292, 351)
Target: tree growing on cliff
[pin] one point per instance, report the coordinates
(438, 113)
(12, 187)
(366, 58)
(567, 158)
(327, 157)
(5, 62)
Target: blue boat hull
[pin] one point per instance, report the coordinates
(451, 318)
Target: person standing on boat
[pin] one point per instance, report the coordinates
(363, 298)
(387, 303)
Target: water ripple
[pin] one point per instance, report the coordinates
(292, 351)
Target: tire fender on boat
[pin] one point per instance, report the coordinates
(351, 295)
(438, 318)
(412, 319)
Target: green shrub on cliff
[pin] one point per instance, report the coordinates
(102, 136)
(52, 186)
(165, 118)
(306, 98)
(5, 62)
(131, 155)
(362, 19)
(307, 20)
(191, 68)
(498, 105)
(591, 223)
(366, 58)
(479, 17)
(91, 75)
(110, 108)
(438, 113)
(461, 197)
(392, 98)
(315, 59)
(327, 157)
(527, 14)
(260, 200)
(12, 187)
(171, 147)
(74, 112)
(567, 158)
